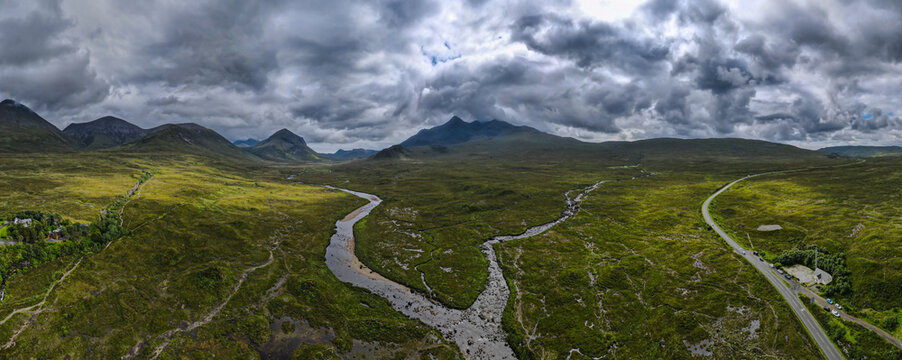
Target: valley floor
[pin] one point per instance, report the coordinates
(229, 260)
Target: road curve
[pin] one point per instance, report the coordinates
(817, 333)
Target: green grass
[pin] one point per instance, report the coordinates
(637, 275)
(855, 210)
(195, 227)
(855, 341)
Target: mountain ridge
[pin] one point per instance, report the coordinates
(104, 132)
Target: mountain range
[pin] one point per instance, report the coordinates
(25, 131)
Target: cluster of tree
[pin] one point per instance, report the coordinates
(80, 239)
(835, 264)
(42, 224)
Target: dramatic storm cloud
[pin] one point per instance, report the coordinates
(370, 73)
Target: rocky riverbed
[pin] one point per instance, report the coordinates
(476, 330)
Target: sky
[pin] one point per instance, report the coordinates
(370, 73)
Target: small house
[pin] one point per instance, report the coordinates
(822, 277)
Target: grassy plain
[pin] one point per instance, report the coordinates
(636, 274)
(195, 227)
(636, 267)
(855, 210)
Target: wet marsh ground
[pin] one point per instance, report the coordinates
(195, 228)
(635, 274)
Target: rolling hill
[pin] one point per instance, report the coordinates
(105, 132)
(187, 138)
(863, 151)
(284, 146)
(22, 130)
(722, 147)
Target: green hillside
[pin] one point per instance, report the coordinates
(23, 131)
(285, 146)
(186, 139)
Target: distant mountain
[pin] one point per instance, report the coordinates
(863, 151)
(22, 130)
(493, 138)
(105, 132)
(457, 131)
(400, 152)
(342, 155)
(246, 143)
(187, 138)
(720, 147)
(284, 146)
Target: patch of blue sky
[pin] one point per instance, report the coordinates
(867, 116)
(438, 54)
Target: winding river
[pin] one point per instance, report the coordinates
(476, 330)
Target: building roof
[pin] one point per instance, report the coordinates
(822, 277)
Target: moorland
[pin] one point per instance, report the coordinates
(219, 251)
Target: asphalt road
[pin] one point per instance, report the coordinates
(817, 333)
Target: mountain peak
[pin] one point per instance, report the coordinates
(23, 130)
(457, 131)
(455, 121)
(12, 104)
(284, 145)
(287, 135)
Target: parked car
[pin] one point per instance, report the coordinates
(787, 276)
(755, 252)
(760, 259)
(835, 313)
(779, 271)
(838, 306)
(771, 266)
(829, 301)
(826, 308)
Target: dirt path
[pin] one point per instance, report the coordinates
(38, 308)
(35, 309)
(170, 334)
(167, 336)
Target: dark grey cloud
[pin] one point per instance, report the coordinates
(589, 43)
(350, 73)
(39, 65)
